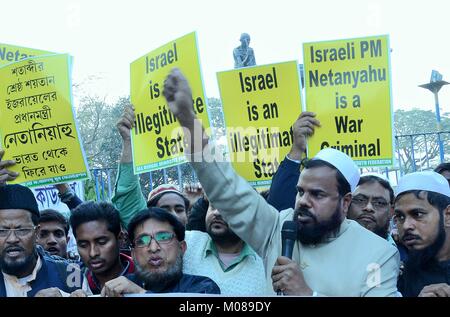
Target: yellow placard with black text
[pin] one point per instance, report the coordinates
(157, 139)
(260, 105)
(348, 86)
(12, 53)
(38, 128)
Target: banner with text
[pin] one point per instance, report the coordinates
(11, 53)
(260, 105)
(157, 140)
(38, 128)
(47, 197)
(348, 86)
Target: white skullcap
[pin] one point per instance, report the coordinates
(429, 181)
(341, 162)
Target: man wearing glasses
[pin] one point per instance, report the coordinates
(372, 205)
(26, 270)
(331, 256)
(157, 248)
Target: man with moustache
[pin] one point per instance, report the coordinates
(26, 270)
(422, 214)
(222, 256)
(157, 248)
(332, 256)
(372, 201)
(372, 205)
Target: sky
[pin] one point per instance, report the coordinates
(104, 37)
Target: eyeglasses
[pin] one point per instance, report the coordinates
(20, 232)
(362, 201)
(160, 238)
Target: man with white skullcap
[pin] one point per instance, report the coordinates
(422, 214)
(331, 256)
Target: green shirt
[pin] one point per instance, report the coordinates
(128, 197)
(212, 250)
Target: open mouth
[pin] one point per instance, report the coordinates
(53, 250)
(305, 219)
(155, 261)
(14, 251)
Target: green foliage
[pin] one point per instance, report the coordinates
(101, 140)
(216, 116)
(410, 129)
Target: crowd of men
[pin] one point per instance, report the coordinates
(353, 234)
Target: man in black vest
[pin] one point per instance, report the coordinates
(26, 269)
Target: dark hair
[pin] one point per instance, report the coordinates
(51, 215)
(91, 211)
(439, 201)
(343, 185)
(35, 219)
(155, 200)
(442, 168)
(158, 214)
(374, 179)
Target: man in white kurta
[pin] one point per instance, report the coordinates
(350, 261)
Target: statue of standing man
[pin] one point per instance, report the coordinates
(243, 54)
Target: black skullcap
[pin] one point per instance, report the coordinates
(18, 197)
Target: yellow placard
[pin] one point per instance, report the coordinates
(157, 138)
(260, 104)
(348, 86)
(12, 53)
(38, 128)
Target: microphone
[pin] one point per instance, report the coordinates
(288, 237)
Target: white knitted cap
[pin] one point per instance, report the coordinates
(343, 163)
(428, 180)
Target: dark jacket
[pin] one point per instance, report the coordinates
(283, 189)
(128, 265)
(187, 284)
(54, 272)
(413, 280)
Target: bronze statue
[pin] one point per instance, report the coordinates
(243, 54)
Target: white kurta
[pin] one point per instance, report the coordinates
(355, 263)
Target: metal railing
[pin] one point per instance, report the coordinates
(413, 152)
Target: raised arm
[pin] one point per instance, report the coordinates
(283, 189)
(247, 213)
(128, 197)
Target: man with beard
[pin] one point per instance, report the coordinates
(332, 256)
(373, 199)
(96, 227)
(157, 248)
(222, 256)
(26, 270)
(422, 214)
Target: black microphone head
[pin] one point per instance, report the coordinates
(289, 230)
